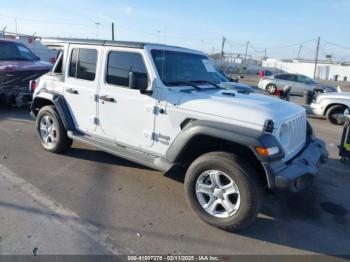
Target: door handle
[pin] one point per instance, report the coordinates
(72, 91)
(108, 99)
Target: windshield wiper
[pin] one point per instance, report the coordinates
(182, 83)
(206, 82)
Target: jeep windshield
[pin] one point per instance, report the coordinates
(11, 51)
(181, 68)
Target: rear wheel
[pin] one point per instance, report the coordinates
(271, 89)
(223, 190)
(334, 112)
(52, 133)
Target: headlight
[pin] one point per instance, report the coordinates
(285, 135)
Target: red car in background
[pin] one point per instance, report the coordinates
(18, 66)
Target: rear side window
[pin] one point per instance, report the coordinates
(83, 64)
(120, 64)
(281, 77)
(290, 78)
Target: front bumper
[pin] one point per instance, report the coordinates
(262, 85)
(298, 173)
(317, 109)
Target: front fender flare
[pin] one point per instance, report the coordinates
(240, 135)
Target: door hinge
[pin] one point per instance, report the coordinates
(96, 121)
(158, 110)
(96, 98)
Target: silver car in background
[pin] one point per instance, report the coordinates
(299, 84)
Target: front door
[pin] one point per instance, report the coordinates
(126, 116)
(301, 85)
(81, 85)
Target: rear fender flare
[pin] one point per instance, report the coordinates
(60, 104)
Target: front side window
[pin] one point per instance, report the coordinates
(58, 67)
(290, 78)
(121, 64)
(304, 79)
(176, 67)
(83, 64)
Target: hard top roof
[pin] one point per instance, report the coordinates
(129, 44)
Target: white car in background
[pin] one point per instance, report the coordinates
(331, 105)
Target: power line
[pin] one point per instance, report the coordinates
(288, 46)
(230, 42)
(337, 45)
(257, 50)
(43, 21)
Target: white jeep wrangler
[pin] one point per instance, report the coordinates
(163, 107)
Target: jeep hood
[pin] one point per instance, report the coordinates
(250, 108)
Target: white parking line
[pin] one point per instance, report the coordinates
(61, 213)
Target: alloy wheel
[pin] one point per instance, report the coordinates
(218, 194)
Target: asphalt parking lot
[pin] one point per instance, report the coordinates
(87, 201)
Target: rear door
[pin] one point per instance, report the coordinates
(81, 85)
(281, 81)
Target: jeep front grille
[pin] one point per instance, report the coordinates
(298, 126)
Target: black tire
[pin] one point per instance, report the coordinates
(336, 109)
(271, 89)
(246, 180)
(62, 141)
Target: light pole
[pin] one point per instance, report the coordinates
(97, 25)
(158, 34)
(3, 31)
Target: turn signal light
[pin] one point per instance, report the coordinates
(32, 85)
(265, 151)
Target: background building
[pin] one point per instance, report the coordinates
(326, 70)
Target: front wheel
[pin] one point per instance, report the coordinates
(223, 190)
(334, 112)
(271, 89)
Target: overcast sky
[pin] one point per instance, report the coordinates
(278, 26)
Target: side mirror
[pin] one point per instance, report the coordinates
(138, 81)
